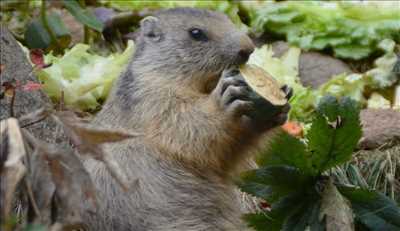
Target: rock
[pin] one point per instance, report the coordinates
(279, 48)
(381, 127)
(16, 67)
(314, 68)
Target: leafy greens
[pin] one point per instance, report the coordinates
(351, 30)
(84, 79)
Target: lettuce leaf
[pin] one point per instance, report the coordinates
(383, 75)
(378, 101)
(354, 85)
(351, 30)
(84, 78)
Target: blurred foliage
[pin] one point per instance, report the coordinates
(38, 37)
(16, 14)
(381, 76)
(228, 7)
(352, 30)
(84, 16)
(31, 23)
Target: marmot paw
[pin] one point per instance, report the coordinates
(233, 94)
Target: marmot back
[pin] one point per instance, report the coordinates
(196, 125)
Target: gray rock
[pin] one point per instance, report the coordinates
(314, 68)
(381, 128)
(279, 48)
(16, 67)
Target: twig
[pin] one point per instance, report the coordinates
(32, 199)
(12, 103)
(34, 117)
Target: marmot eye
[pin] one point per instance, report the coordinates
(198, 34)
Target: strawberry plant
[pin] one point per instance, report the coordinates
(295, 178)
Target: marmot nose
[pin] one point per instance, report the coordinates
(244, 54)
(246, 48)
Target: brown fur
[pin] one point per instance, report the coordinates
(191, 146)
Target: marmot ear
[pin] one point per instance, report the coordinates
(150, 28)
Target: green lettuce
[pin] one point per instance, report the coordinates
(83, 78)
(352, 85)
(355, 85)
(378, 101)
(383, 74)
(351, 30)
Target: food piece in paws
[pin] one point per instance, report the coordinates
(263, 84)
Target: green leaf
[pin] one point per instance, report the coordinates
(273, 220)
(297, 219)
(373, 209)
(36, 35)
(274, 182)
(261, 222)
(285, 149)
(306, 214)
(328, 107)
(82, 15)
(334, 133)
(292, 212)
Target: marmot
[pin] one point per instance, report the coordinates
(194, 119)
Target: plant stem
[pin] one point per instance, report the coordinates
(47, 27)
(86, 30)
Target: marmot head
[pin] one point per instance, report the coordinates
(191, 44)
